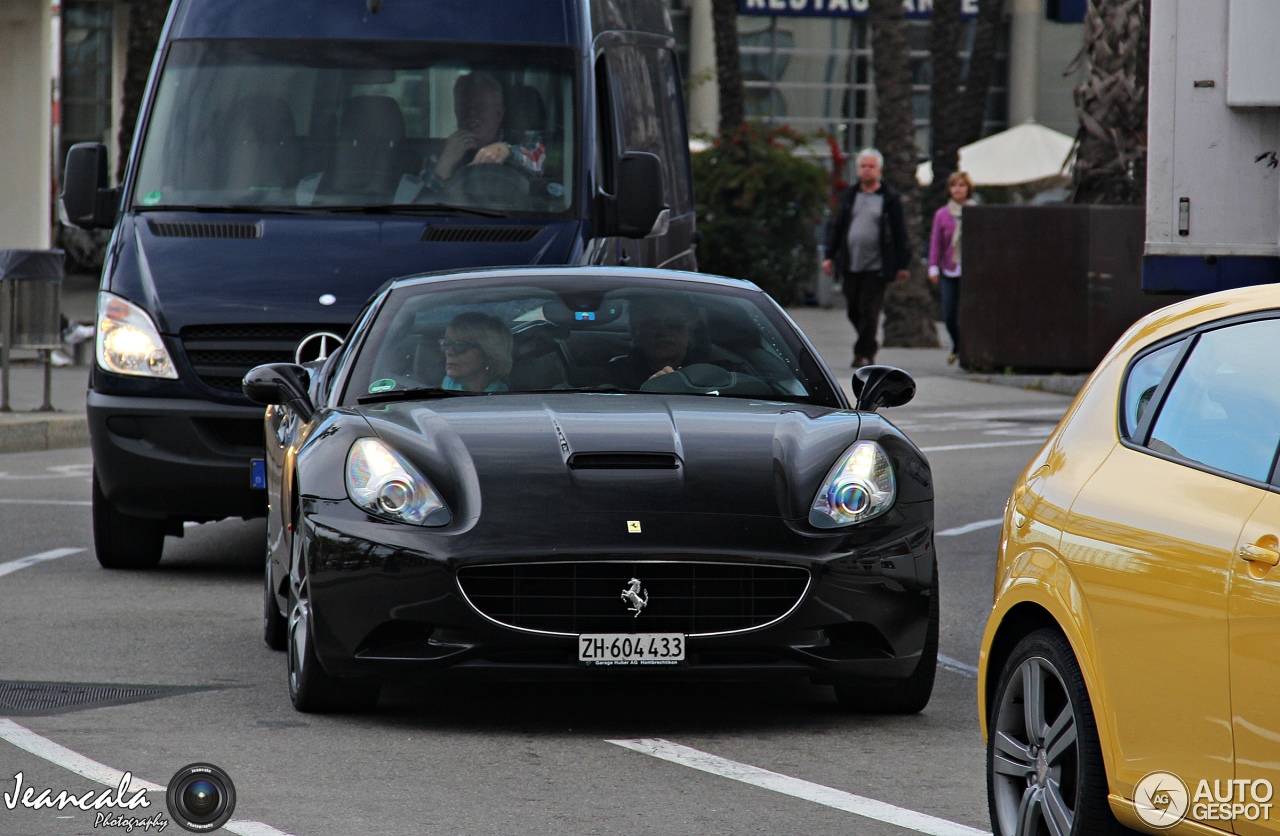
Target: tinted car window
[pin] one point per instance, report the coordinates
(354, 123)
(1223, 410)
(1144, 379)
(586, 334)
(647, 92)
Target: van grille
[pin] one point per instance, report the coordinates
(221, 355)
(481, 234)
(695, 598)
(204, 229)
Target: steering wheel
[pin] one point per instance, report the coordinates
(486, 184)
(707, 379)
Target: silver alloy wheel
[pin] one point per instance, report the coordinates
(299, 624)
(1036, 758)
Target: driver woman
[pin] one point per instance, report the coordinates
(477, 353)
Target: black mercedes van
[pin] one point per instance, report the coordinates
(293, 156)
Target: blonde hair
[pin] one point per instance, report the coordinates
(490, 334)
(961, 177)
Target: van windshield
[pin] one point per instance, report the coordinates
(363, 125)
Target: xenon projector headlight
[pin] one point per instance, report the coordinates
(860, 486)
(128, 342)
(382, 482)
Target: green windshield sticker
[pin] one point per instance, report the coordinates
(152, 198)
(386, 384)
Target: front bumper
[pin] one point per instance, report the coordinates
(176, 458)
(386, 602)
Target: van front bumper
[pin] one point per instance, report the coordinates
(176, 458)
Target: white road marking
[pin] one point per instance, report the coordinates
(31, 560)
(943, 447)
(62, 471)
(45, 502)
(956, 666)
(797, 788)
(59, 755)
(973, 526)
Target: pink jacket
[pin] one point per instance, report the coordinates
(940, 252)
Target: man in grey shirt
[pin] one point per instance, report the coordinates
(867, 243)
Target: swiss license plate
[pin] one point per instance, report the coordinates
(631, 648)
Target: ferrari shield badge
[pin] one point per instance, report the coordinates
(633, 526)
(632, 596)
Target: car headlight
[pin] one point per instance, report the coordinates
(380, 481)
(860, 486)
(128, 342)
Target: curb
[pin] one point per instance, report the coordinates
(1060, 384)
(51, 432)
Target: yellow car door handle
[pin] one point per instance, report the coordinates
(1260, 554)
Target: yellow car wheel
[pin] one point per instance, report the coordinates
(1044, 765)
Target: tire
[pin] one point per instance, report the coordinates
(121, 541)
(909, 695)
(1049, 778)
(275, 625)
(311, 689)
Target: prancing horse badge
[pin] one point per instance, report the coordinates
(633, 526)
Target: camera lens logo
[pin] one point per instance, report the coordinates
(201, 797)
(1161, 799)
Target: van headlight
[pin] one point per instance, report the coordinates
(382, 482)
(128, 342)
(860, 486)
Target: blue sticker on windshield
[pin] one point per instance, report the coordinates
(555, 190)
(588, 316)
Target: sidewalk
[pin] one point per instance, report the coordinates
(24, 430)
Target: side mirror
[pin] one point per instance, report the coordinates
(639, 203)
(280, 384)
(877, 386)
(86, 200)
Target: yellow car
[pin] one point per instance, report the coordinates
(1130, 670)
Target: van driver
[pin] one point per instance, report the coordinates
(479, 109)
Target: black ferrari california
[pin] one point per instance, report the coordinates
(592, 472)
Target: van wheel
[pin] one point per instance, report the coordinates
(909, 695)
(1044, 762)
(122, 541)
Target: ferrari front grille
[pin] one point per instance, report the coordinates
(697, 598)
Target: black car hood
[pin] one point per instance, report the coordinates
(630, 454)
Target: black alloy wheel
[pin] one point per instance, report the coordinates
(275, 624)
(909, 695)
(122, 541)
(311, 689)
(1045, 773)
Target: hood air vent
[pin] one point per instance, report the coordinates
(481, 234)
(623, 461)
(204, 229)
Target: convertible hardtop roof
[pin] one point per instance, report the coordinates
(641, 274)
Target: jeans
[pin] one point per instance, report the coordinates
(951, 309)
(864, 296)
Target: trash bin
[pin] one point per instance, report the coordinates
(30, 310)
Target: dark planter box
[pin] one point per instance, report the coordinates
(1050, 288)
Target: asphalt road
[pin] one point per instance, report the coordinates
(479, 759)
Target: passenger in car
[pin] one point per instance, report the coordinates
(663, 340)
(477, 353)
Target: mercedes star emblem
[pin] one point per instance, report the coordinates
(632, 594)
(317, 346)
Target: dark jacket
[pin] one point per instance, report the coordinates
(895, 251)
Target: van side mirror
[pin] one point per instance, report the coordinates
(639, 203)
(87, 201)
(877, 386)
(280, 384)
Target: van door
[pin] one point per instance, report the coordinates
(646, 109)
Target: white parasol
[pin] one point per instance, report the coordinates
(1027, 153)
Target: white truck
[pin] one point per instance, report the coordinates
(1213, 165)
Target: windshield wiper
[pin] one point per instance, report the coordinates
(410, 209)
(418, 393)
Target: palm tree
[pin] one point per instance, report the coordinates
(146, 20)
(724, 20)
(1111, 145)
(944, 100)
(908, 307)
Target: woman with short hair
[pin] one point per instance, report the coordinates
(477, 353)
(944, 253)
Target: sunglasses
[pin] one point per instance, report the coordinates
(457, 346)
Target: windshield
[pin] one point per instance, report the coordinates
(590, 333)
(360, 124)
